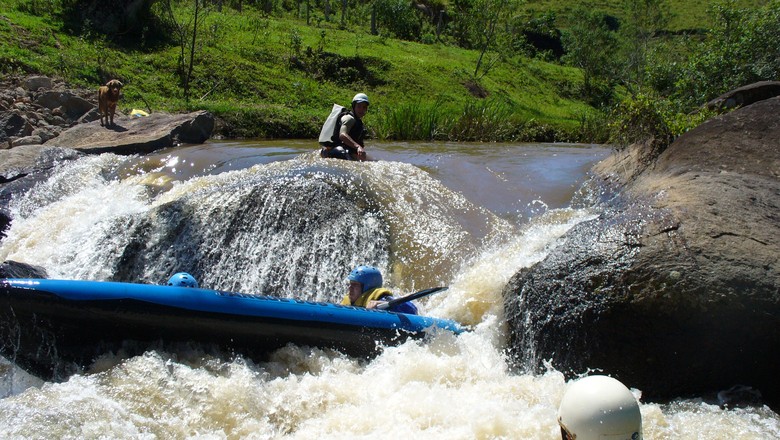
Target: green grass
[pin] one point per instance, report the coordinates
(244, 74)
(684, 15)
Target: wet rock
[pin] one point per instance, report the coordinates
(23, 167)
(31, 159)
(739, 396)
(5, 221)
(197, 130)
(13, 269)
(673, 289)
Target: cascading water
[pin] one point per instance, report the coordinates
(292, 228)
(295, 228)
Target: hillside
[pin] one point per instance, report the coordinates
(272, 75)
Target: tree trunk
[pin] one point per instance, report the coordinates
(374, 30)
(192, 53)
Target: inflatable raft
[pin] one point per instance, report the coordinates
(54, 328)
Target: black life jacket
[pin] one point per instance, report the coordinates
(358, 131)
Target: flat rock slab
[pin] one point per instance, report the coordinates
(137, 135)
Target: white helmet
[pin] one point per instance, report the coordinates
(360, 97)
(599, 408)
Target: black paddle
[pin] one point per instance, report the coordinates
(410, 297)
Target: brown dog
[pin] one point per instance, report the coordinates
(108, 96)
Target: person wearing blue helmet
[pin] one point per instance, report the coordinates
(365, 290)
(183, 279)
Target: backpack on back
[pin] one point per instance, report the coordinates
(331, 125)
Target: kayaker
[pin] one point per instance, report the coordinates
(599, 407)
(183, 279)
(349, 132)
(365, 290)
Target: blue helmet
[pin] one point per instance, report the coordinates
(183, 279)
(369, 276)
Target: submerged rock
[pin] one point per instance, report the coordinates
(674, 288)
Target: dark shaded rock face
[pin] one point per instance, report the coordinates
(675, 287)
(13, 269)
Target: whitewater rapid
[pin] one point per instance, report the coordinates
(245, 229)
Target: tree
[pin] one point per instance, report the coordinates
(397, 17)
(644, 18)
(479, 25)
(185, 25)
(489, 16)
(590, 44)
(740, 48)
(122, 21)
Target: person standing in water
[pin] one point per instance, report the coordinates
(348, 140)
(365, 290)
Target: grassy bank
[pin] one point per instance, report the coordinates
(278, 77)
(276, 74)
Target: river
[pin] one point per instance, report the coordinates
(272, 217)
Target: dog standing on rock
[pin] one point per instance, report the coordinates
(108, 96)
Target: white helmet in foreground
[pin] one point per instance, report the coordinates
(599, 408)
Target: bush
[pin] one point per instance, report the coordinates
(399, 18)
(741, 48)
(644, 117)
(636, 119)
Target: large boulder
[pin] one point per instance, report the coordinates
(138, 135)
(675, 287)
(13, 124)
(744, 96)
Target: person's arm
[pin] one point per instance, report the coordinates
(407, 307)
(347, 123)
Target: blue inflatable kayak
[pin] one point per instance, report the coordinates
(54, 328)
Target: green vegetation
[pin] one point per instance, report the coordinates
(436, 69)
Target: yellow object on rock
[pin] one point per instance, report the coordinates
(138, 113)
